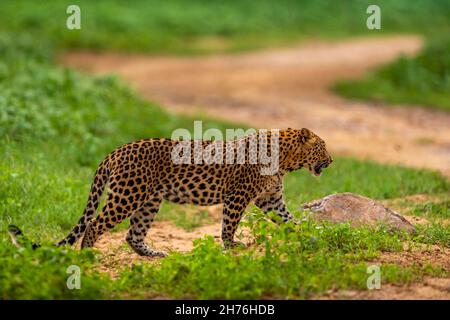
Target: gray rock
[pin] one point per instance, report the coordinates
(356, 210)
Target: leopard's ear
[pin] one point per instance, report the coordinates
(305, 135)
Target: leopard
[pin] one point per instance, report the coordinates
(140, 175)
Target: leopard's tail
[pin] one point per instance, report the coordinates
(97, 188)
(18, 239)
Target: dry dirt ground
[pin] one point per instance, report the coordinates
(290, 88)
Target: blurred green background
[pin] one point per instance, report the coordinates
(207, 26)
(178, 26)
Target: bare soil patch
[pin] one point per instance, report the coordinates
(290, 88)
(434, 255)
(428, 289)
(164, 236)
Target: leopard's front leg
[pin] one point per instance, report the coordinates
(273, 200)
(233, 209)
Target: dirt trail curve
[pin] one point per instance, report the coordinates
(290, 88)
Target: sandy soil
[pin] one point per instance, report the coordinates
(290, 88)
(164, 236)
(428, 289)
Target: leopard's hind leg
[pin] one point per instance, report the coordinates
(114, 212)
(127, 194)
(140, 223)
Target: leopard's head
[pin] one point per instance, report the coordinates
(313, 152)
(308, 151)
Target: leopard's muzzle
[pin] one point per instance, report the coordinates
(317, 170)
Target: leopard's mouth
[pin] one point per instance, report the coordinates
(317, 170)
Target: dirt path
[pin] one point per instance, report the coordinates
(290, 88)
(428, 289)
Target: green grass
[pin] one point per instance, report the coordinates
(432, 209)
(203, 26)
(421, 80)
(285, 262)
(42, 274)
(364, 177)
(187, 217)
(435, 234)
(57, 124)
